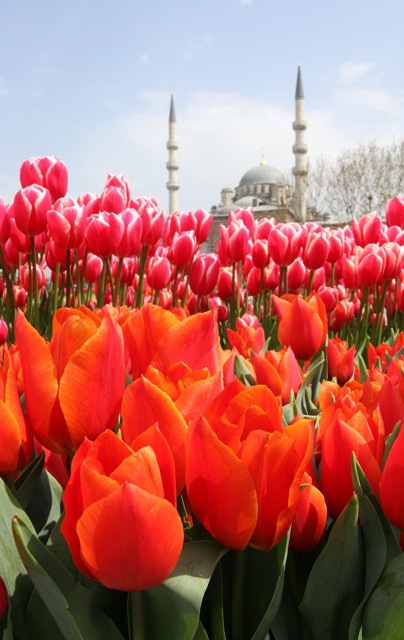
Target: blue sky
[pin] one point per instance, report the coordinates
(90, 82)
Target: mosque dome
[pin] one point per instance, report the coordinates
(262, 174)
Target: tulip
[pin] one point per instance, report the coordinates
(116, 194)
(182, 249)
(158, 272)
(338, 443)
(30, 209)
(340, 360)
(67, 223)
(316, 250)
(310, 518)
(16, 442)
(204, 274)
(395, 211)
(285, 242)
(391, 483)
(120, 527)
(260, 253)
(145, 404)
(85, 353)
(199, 221)
(368, 229)
(3, 332)
(104, 233)
(302, 324)
(48, 172)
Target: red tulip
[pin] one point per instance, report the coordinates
(310, 518)
(16, 442)
(120, 527)
(340, 360)
(302, 324)
(391, 483)
(85, 353)
(338, 443)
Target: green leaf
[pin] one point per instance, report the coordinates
(390, 441)
(363, 371)
(12, 570)
(264, 573)
(383, 617)
(45, 505)
(214, 602)
(335, 585)
(70, 605)
(27, 481)
(374, 544)
(311, 377)
(171, 610)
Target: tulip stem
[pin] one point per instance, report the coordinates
(34, 290)
(142, 267)
(136, 616)
(237, 620)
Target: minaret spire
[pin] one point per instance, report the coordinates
(300, 151)
(172, 165)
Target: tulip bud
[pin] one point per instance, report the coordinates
(31, 206)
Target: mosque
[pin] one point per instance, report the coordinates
(263, 188)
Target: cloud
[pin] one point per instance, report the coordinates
(373, 99)
(351, 72)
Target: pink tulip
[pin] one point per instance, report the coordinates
(67, 223)
(116, 194)
(285, 242)
(204, 274)
(48, 172)
(159, 272)
(152, 219)
(315, 250)
(104, 233)
(395, 211)
(370, 263)
(182, 249)
(130, 242)
(30, 209)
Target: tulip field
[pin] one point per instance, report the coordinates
(198, 445)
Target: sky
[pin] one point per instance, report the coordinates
(90, 82)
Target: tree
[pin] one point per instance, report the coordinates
(359, 180)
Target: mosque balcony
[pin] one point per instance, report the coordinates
(299, 125)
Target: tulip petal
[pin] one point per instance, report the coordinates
(94, 377)
(220, 489)
(40, 376)
(194, 341)
(130, 540)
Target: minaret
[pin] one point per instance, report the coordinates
(300, 150)
(172, 165)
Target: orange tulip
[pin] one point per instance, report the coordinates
(244, 470)
(310, 518)
(302, 323)
(143, 405)
(16, 441)
(74, 385)
(120, 527)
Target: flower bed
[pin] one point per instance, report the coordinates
(198, 445)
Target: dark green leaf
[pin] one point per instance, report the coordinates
(12, 570)
(70, 605)
(383, 617)
(335, 585)
(263, 583)
(171, 610)
(28, 479)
